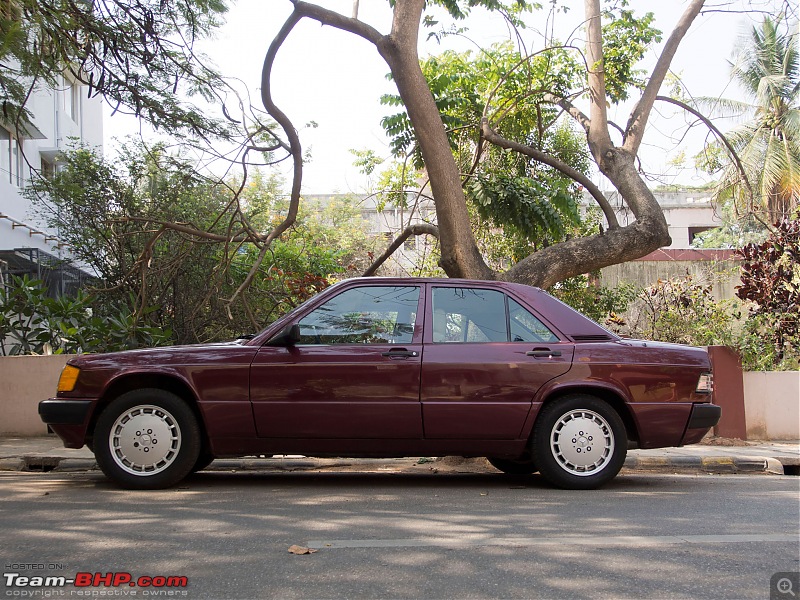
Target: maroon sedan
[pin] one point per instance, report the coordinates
(393, 367)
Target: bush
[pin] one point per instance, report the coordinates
(33, 323)
(602, 304)
(771, 282)
(682, 311)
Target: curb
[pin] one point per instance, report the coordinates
(680, 464)
(710, 464)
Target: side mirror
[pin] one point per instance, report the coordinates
(288, 336)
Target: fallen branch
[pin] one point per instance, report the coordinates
(418, 229)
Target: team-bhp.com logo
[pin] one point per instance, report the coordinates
(95, 580)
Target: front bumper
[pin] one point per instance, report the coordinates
(60, 411)
(68, 418)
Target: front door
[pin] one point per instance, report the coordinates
(354, 374)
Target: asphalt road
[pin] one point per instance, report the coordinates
(390, 535)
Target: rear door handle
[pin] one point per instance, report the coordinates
(543, 353)
(400, 353)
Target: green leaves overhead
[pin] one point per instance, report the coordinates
(625, 40)
(136, 53)
(459, 9)
(535, 201)
(540, 210)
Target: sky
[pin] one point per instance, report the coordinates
(336, 79)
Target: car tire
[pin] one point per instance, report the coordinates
(579, 442)
(147, 439)
(513, 467)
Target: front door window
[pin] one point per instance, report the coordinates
(364, 315)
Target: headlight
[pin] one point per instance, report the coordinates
(705, 384)
(68, 379)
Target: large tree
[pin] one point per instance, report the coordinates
(460, 255)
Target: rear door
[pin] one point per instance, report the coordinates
(486, 355)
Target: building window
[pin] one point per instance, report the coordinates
(11, 158)
(48, 169)
(72, 100)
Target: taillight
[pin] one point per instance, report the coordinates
(705, 384)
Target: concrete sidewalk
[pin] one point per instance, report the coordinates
(718, 456)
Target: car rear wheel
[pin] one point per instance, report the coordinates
(513, 467)
(147, 439)
(579, 442)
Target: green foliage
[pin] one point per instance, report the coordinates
(528, 200)
(33, 323)
(119, 217)
(525, 205)
(625, 41)
(136, 53)
(767, 142)
(771, 280)
(683, 311)
(602, 304)
(459, 9)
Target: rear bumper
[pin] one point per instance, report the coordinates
(704, 416)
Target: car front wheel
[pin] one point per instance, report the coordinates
(579, 442)
(147, 439)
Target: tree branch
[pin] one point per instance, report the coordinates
(634, 131)
(493, 137)
(707, 122)
(573, 111)
(337, 20)
(418, 229)
(598, 136)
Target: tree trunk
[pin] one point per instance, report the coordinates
(460, 254)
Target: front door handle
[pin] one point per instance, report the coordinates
(543, 353)
(400, 353)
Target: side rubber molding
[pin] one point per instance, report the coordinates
(58, 411)
(704, 416)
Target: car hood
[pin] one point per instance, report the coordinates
(160, 355)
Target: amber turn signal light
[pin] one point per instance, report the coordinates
(68, 379)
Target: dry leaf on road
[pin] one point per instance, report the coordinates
(295, 549)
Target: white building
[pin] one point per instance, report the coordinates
(688, 212)
(60, 116)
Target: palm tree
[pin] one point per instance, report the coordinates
(767, 66)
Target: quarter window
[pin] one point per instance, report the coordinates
(527, 328)
(363, 315)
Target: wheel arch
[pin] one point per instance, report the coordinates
(610, 397)
(161, 381)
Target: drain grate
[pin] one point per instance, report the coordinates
(41, 464)
(791, 470)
